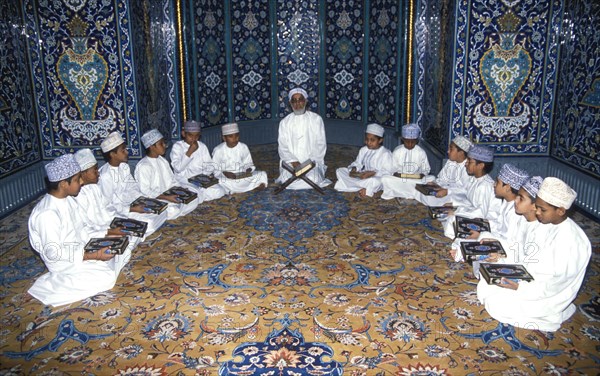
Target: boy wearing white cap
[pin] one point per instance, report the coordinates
(155, 176)
(373, 162)
(190, 157)
(558, 260)
(408, 158)
(233, 156)
(452, 178)
(480, 200)
(96, 211)
(120, 187)
(301, 138)
(57, 233)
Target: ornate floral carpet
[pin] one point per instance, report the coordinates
(292, 284)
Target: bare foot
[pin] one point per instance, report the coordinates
(377, 195)
(260, 187)
(362, 193)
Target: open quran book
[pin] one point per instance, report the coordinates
(130, 226)
(184, 195)
(493, 272)
(408, 176)
(301, 169)
(151, 205)
(117, 245)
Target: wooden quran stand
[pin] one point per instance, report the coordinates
(299, 173)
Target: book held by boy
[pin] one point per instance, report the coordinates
(463, 226)
(475, 250)
(440, 211)
(184, 195)
(408, 176)
(151, 205)
(130, 226)
(493, 272)
(203, 180)
(238, 175)
(117, 245)
(427, 189)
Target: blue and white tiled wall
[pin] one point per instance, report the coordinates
(521, 76)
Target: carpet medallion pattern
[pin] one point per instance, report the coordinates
(290, 284)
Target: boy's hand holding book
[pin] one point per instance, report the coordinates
(508, 283)
(103, 254)
(171, 198)
(139, 209)
(117, 231)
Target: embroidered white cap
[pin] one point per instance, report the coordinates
(85, 158)
(62, 167)
(556, 192)
(151, 137)
(297, 90)
(231, 128)
(111, 141)
(375, 129)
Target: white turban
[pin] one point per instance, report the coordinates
(556, 192)
(375, 129)
(296, 91)
(85, 158)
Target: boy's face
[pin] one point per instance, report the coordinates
(372, 141)
(232, 140)
(119, 155)
(73, 187)
(90, 176)
(472, 166)
(160, 147)
(190, 137)
(547, 213)
(409, 143)
(455, 154)
(501, 189)
(524, 204)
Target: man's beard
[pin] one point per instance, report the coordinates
(300, 111)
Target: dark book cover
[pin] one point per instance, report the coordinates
(440, 211)
(426, 189)
(463, 226)
(130, 226)
(151, 205)
(203, 180)
(493, 272)
(241, 175)
(117, 245)
(185, 195)
(476, 251)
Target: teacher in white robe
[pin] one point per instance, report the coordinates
(302, 137)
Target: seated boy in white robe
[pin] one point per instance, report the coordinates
(557, 259)
(373, 162)
(480, 200)
(190, 157)
(232, 157)
(408, 158)
(57, 233)
(154, 175)
(96, 211)
(452, 178)
(509, 181)
(120, 187)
